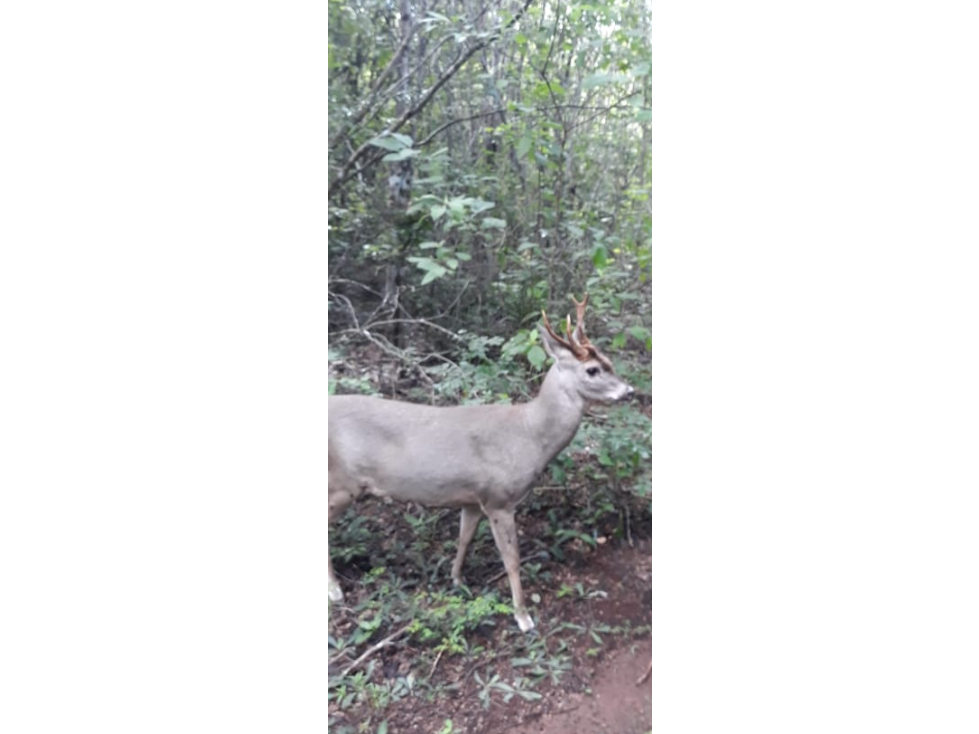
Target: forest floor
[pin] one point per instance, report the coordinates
(578, 672)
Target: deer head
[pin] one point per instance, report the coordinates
(582, 364)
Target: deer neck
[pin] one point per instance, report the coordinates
(555, 414)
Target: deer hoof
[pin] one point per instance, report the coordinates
(336, 593)
(524, 621)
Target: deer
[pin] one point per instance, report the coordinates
(482, 459)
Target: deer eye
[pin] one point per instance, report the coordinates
(592, 371)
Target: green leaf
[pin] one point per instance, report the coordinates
(493, 223)
(433, 274)
(537, 356)
(437, 212)
(432, 269)
(388, 142)
(401, 155)
(478, 205)
(644, 115)
(641, 333)
(600, 257)
(523, 147)
(457, 206)
(382, 728)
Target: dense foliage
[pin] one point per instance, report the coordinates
(486, 161)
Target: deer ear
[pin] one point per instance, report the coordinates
(555, 349)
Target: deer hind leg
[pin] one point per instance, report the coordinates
(339, 500)
(468, 522)
(505, 533)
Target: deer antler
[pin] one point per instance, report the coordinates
(576, 340)
(568, 343)
(579, 329)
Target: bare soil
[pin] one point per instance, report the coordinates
(603, 696)
(617, 704)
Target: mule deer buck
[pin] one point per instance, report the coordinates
(480, 458)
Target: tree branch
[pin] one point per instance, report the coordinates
(369, 99)
(345, 174)
(449, 124)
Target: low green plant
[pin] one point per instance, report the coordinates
(542, 664)
(442, 620)
(495, 683)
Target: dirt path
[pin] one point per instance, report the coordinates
(617, 705)
(602, 696)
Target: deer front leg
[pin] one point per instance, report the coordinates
(505, 533)
(337, 504)
(468, 522)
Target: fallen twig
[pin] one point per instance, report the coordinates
(386, 642)
(435, 664)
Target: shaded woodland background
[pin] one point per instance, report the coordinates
(487, 160)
